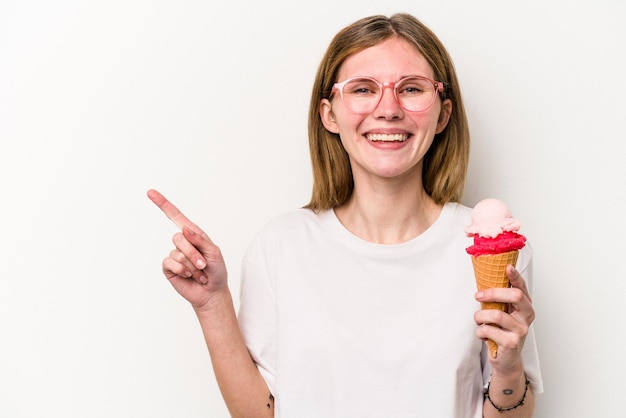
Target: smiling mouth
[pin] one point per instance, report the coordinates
(387, 137)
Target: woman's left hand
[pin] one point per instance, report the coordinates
(512, 326)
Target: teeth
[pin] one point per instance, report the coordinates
(387, 137)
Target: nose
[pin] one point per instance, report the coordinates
(388, 107)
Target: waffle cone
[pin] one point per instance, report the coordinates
(490, 272)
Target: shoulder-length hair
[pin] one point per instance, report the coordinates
(445, 163)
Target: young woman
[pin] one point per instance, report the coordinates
(363, 303)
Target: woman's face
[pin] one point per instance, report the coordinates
(388, 142)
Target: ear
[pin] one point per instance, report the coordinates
(444, 115)
(328, 117)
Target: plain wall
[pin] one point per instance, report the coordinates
(207, 102)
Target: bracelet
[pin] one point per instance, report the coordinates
(510, 408)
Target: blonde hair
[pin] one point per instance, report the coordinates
(445, 163)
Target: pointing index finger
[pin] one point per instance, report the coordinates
(171, 211)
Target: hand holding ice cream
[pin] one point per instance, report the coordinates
(496, 245)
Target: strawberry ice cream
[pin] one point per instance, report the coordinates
(496, 245)
(494, 229)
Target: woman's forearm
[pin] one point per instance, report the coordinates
(244, 390)
(510, 393)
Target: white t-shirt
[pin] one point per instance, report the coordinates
(342, 327)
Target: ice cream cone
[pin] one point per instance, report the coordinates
(490, 272)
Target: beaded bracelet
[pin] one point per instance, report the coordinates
(510, 408)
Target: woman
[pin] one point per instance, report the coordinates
(360, 303)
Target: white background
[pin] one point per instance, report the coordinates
(102, 100)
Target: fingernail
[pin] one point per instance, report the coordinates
(201, 264)
(203, 279)
(479, 295)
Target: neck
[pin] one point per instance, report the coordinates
(389, 215)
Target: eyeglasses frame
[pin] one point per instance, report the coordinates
(438, 85)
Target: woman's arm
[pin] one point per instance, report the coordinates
(509, 394)
(197, 271)
(244, 390)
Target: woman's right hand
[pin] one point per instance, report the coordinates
(195, 267)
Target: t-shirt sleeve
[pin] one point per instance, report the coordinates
(257, 313)
(530, 356)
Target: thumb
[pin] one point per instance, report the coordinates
(199, 239)
(517, 280)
